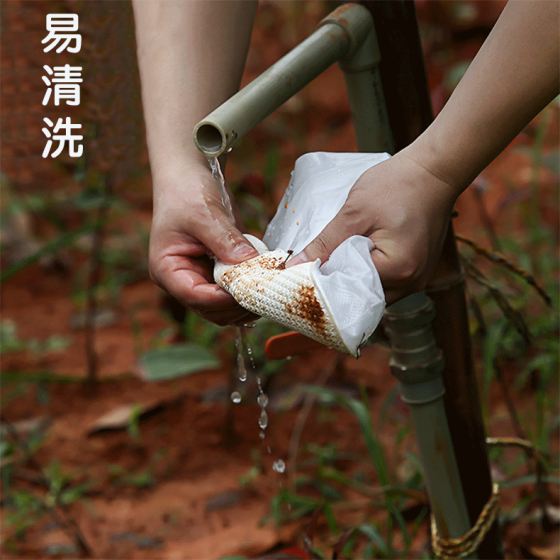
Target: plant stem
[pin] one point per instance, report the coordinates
(94, 276)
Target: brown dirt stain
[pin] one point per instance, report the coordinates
(307, 305)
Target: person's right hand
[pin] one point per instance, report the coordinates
(190, 225)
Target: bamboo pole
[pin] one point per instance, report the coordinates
(409, 109)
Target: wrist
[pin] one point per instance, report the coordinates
(169, 164)
(451, 157)
(170, 169)
(178, 181)
(426, 152)
(425, 176)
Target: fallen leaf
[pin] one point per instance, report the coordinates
(120, 417)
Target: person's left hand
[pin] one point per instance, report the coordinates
(405, 210)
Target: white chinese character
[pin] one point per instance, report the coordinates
(66, 126)
(58, 26)
(66, 80)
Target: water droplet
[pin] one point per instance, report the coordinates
(263, 420)
(268, 450)
(262, 399)
(236, 397)
(229, 150)
(279, 466)
(261, 434)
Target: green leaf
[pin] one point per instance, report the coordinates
(143, 479)
(73, 494)
(371, 532)
(175, 361)
(490, 351)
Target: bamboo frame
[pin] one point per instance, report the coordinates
(348, 36)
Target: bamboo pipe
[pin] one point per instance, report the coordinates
(417, 363)
(338, 37)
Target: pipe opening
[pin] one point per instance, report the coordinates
(210, 140)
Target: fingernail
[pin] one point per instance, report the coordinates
(243, 251)
(300, 258)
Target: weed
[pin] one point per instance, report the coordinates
(11, 342)
(120, 476)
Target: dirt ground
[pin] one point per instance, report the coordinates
(182, 495)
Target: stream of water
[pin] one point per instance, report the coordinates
(241, 344)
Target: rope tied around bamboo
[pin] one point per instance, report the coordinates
(467, 544)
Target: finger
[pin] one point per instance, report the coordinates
(397, 275)
(206, 299)
(248, 320)
(193, 290)
(238, 316)
(392, 296)
(336, 231)
(219, 234)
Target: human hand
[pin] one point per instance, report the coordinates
(190, 225)
(404, 209)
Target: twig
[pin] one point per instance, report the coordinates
(514, 317)
(499, 259)
(541, 486)
(111, 111)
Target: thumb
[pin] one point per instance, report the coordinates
(397, 270)
(383, 266)
(335, 232)
(222, 238)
